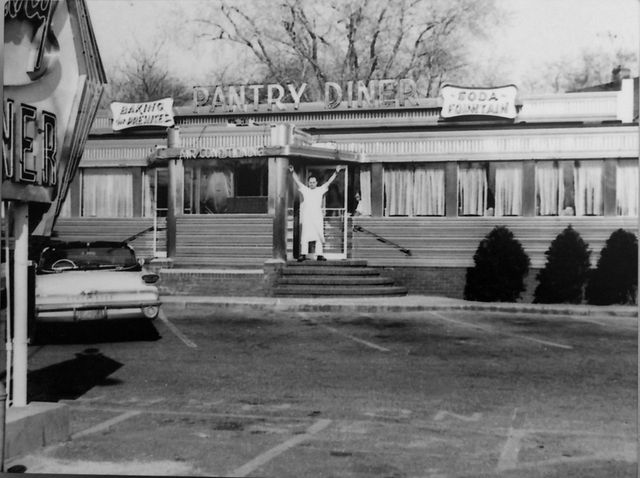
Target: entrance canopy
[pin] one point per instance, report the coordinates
(286, 142)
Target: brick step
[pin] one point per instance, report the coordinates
(314, 290)
(335, 280)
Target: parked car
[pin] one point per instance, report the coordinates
(80, 281)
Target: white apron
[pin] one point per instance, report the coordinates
(311, 218)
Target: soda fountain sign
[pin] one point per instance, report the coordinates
(460, 101)
(53, 80)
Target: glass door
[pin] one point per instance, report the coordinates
(160, 188)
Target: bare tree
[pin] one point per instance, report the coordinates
(315, 42)
(144, 77)
(592, 67)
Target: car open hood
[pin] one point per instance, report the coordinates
(86, 282)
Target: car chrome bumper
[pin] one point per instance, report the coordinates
(86, 312)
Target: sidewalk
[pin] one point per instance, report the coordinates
(410, 303)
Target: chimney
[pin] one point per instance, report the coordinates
(620, 73)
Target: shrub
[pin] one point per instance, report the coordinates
(615, 279)
(563, 277)
(500, 268)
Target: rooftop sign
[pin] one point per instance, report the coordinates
(152, 113)
(276, 97)
(494, 102)
(53, 80)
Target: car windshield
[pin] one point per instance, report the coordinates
(88, 257)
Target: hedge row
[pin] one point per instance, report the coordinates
(501, 265)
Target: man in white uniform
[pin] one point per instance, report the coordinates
(311, 217)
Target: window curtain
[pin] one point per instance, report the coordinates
(398, 186)
(148, 188)
(508, 195)
(365, 191)
(472, 191)
(107, 193)
(549, 189)
(414, 191)
(588, 188)
(627, 188)
(429, 191)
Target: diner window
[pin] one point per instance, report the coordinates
(627, 188)
(414, 190)
(588, 189)
(473, 190)
(550, 188)
(107, 192)
(224, 187)
(154, 191)
(508, 189)
(251, 179)
(360, 202)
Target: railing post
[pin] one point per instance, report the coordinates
(175, 191)
(3, 417)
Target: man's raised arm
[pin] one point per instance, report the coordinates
(296, 179)
(333, 176)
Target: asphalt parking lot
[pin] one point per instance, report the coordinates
(442, 393)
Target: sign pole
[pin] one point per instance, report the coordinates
(20, 286)
(3, 389)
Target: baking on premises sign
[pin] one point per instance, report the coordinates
(151, 113)
(461, 101)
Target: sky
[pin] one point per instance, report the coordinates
(538, 30)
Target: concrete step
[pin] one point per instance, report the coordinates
(315, 291)
(209, 263)
(330, 271)
(335, 280)
(329, 263)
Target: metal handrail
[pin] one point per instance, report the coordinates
(384, 240)
(144, 231)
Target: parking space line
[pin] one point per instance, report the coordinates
(509, 455)
(306, 317)
(106, 424)
(269, 455)
(608, 323)
(176, 331)
(507, 334)
(355, 339)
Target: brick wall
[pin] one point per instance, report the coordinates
(436, 281)
(444, 281)
(214, 283)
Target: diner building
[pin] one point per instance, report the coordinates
(426, 179)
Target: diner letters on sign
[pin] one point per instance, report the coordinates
(352, 94)
(29, 145)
